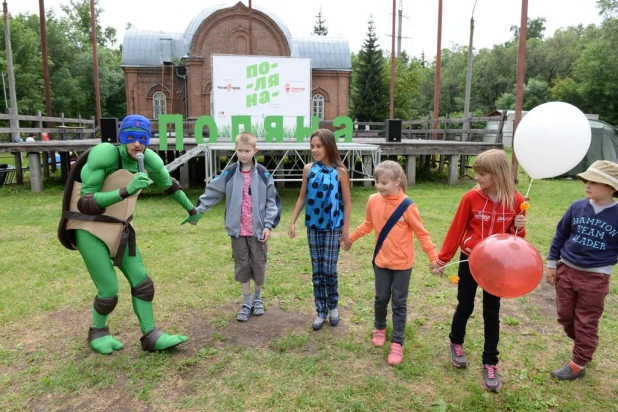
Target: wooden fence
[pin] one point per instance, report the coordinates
(61, 128)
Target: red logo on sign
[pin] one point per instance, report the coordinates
(287, 87)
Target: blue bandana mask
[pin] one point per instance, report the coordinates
(135, 128)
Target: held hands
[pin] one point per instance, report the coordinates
(193, 219)
(520, 222)
(550, 276)
(436, 269)
(139, 181)
(344, 241)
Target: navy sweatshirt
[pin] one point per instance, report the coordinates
(585, 238)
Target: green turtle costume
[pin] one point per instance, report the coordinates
(99, 200)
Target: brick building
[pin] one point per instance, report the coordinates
(172, 73)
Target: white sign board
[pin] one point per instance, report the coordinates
(260, 86)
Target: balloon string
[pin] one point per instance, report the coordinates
(526, 197)
(450, 264)
(454, 263)
(529, 186)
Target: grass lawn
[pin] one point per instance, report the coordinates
(274, 362)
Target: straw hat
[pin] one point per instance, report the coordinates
(602, 171)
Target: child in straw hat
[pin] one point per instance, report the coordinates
(581, 258)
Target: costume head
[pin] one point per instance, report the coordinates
(602, 171)
(135, 128)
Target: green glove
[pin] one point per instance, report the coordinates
(193, 219)
(140, 181)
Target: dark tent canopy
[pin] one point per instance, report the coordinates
(603, 146)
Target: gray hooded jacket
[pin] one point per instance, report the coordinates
(264, 198)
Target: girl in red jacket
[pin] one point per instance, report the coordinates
(493, 206)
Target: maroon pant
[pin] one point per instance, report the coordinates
(580, 300)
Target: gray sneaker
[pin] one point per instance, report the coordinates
(244, 313)
(457, 355)
(491, 380)
(566, 373)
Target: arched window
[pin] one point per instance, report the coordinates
(318, 106)
(159, 104)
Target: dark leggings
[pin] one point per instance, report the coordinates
(466, 292)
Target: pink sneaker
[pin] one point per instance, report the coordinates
(396, 355)
(379, 337)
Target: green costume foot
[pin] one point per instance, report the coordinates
(102, 342)
(157, 340)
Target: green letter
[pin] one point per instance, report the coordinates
(347, 130)
(236, 122)
(273, 126)
(260, 84)
(264, 68)
(252, 71)
(264, 97)
(164, 120)
(273, 80)
(212, 128)
(302, 131)
(252, 100)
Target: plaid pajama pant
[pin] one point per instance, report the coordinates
(324, 250)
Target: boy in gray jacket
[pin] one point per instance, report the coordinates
(252, 210)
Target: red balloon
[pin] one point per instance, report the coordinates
(506, 266)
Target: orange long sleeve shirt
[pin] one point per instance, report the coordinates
(397, 252)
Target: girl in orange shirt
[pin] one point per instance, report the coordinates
(393, 262)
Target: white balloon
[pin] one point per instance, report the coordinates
(551, 139)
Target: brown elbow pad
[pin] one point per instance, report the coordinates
(88, 206)
(173, 188)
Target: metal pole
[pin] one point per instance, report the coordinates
(465, 136)
(400, 17)
(521, 71)
(392, 93)
(14, 121)
(436, 92)
(95, 62)
(250, 29)
(48, 103)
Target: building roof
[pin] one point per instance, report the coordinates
(327, 53)
(142, 48)
(150, 48)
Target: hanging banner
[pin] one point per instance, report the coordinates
(258, 87)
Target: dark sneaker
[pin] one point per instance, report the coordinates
(491, 380)
(566, 373)
(457, 355)
(318, 323)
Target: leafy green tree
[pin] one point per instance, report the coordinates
(370, 93)
(320, 25)
(608, 8)
(536, 28)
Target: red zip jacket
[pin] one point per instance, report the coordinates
(478, 217)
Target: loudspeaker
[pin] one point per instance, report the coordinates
(393, 130)
(109, 130)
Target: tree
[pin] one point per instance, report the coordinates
(536, 27)
(320, 28)
(370, 92)
(608, 8)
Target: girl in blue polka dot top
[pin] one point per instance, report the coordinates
(325, 195)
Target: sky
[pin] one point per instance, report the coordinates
(348, 18)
